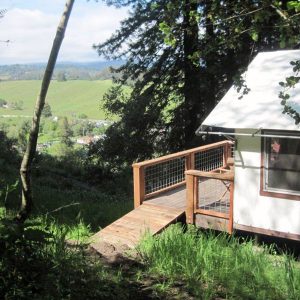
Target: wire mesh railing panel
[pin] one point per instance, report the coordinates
(214, 195)
(232, 149)
(164, 174)
(210, 159)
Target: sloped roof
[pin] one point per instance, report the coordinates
(261, 107)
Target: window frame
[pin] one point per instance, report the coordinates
(274, 193)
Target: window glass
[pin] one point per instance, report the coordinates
(282, 164)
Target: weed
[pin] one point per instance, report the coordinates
(219, 265)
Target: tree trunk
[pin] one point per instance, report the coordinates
(25, 170)
(191, 71)
(209, 100)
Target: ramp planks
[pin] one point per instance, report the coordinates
(129, 229)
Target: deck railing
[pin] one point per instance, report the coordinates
(161, 174)
(210, 194)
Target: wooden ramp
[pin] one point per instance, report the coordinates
(130, 228)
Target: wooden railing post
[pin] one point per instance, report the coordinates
(138, 185)
(225, 154)
(189, 198)
(190, 161)
(230, 222)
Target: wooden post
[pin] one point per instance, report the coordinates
(230, 221)
(196, 192)
(189, 198)
(225, 154)
(138, 185)
(190, 161)
(192, 158)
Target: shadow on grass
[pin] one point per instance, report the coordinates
(32, 269)
(66, 191)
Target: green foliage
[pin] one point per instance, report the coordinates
(23, 132)
(182, 56)
(17, 105)
(8, 153)
(37, 263)
(21, 246)
(35, 259)
(9, 162)
(5, 191)
(293, 5)
(65, 132)
(82, 116)
(287, 86)
(169, 38)
(61, 76)
(241, 86)
(47, 110)
(219, 266)
(69, 188)
(2, 102)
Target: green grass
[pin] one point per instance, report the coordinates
(65, 98)
(217, 266)
(70, 206)
(72, 202)
(37, 263)
(68, 201)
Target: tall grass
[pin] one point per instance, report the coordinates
(68, 193)
(220, 266)
(34, 268)
(94, 208)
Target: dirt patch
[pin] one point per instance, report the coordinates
(113, 254)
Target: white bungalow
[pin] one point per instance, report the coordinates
(267, 147)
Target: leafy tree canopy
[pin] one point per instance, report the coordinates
(181, 57)
(65, 132)
(61, 76)
(47, 112)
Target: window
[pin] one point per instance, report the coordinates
(281, 165)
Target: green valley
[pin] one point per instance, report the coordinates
(66, 98)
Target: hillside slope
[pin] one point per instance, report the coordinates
(67, 98)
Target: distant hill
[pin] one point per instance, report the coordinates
(70, 70)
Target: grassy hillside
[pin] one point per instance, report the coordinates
(65, 98)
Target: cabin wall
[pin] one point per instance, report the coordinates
(251, 209)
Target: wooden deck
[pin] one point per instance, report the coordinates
(157, 213)
(175, 198)
(212, 196)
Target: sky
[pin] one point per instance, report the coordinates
(30, 26)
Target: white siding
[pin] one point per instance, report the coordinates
(250, 208)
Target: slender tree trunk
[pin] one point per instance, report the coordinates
(210, 59)
(191, 71)
(25, 170)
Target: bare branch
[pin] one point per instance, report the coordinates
(280, 12)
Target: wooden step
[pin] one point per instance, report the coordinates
(129, 229)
